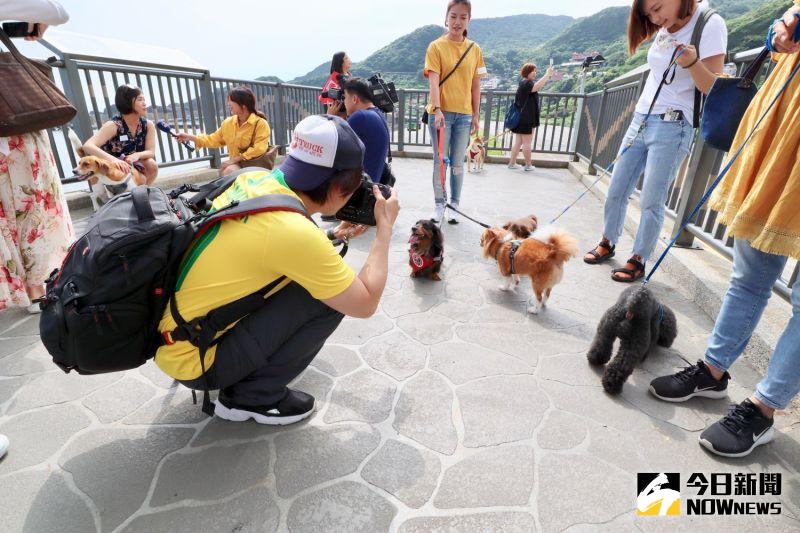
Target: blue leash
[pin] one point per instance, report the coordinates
(722, 174)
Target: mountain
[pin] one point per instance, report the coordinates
(508, 42)
(271, 79)
(502, 39)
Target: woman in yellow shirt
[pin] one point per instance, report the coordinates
(246, 133)
(455, 99)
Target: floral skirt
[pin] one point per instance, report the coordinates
(35, 226)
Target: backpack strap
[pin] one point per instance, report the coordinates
(207, 193)
(202, 331)
(697, 35)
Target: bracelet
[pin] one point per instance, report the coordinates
(696, 59)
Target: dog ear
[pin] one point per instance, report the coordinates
(104, 167)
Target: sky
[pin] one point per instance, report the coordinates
(286, 38)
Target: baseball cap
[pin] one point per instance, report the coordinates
(321, 146)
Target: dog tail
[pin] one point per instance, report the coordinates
(76, 143)
(563, 245)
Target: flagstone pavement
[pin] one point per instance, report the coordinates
(451, 409)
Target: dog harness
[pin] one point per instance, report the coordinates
(512, 254)
(420, 262)
(120, 188)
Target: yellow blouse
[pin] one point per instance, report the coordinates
(250, 140)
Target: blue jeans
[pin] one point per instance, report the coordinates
(456, 140)
(658, 152)
(754, 274)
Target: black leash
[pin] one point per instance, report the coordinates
(478, 222)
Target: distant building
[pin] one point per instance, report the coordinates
(490, 83)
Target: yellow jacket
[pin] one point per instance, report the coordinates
(240, 140)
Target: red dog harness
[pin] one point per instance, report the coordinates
(420, 262)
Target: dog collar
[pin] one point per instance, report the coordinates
(120, 188)
(514, 247)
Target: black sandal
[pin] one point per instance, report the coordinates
(599, 259)
(633, 274)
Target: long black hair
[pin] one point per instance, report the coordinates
(337, 63)
(244, 97)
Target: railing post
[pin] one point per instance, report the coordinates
(209, 113)
(596, 142)
(281, 136)
(703, 161)
(487, 117)
(73, 90)
(401, 120)
(580, 102)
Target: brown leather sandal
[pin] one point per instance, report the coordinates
(634, 274)
(598, 258)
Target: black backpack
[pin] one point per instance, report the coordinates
(102, 308)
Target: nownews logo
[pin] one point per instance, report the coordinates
(659, 494)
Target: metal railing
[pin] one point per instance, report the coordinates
(606, 115)
(589, 126)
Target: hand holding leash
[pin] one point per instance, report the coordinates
(784, 35)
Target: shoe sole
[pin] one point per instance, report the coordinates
(713, 394)
(764, 439)
(240, 415)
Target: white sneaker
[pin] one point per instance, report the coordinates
(3, 445)
(529, 168)
(452, 216)
(513, 166)
(438, 213)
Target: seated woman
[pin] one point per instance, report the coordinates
(128, 138)
(246, 134)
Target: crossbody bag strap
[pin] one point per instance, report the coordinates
(458, 64)
(697, 35)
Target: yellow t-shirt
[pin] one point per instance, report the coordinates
(237, 257)
(441, 57)
(250, 140)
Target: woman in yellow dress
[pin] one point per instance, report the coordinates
(759, 201)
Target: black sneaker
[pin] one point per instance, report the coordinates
(293, 408)
(739, 432)
(690, 382)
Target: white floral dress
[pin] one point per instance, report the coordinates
(35, 226)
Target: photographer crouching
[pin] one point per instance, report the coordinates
(254, 360)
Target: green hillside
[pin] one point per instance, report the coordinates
(508, 42)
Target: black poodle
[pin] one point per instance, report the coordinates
(640, 321)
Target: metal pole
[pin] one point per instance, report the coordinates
(576, 123)
(487, 117)
(73, 90)
(209, 113)
(401, 122)
(280, 116)
(596, 142)
(702, 163)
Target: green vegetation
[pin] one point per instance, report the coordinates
(508, 42)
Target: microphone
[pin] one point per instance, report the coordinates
(169, 130)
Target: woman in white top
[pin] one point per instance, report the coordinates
(660, 149)
(35, 227)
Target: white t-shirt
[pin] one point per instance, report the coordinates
(680, 93)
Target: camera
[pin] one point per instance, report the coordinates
(384, 94)
(360, 209)
(334, 94)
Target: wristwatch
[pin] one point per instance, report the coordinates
(432, 109)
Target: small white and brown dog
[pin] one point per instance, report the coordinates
(476, 155)
(105, 179)
(540, 257)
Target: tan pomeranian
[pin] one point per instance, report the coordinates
(540, 257)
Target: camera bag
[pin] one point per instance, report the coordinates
(102, 308)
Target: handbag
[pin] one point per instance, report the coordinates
(265, 160)
(726, 104)
(728, 100)
(514, 115)
(425, 116)
(29, 100)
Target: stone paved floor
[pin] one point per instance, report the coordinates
(449, 410)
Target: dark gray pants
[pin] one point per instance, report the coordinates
(262, 353)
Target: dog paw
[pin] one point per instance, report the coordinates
(504, 287)
(612, 382)
(596, 357)
(534, 309)
(436, 277)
